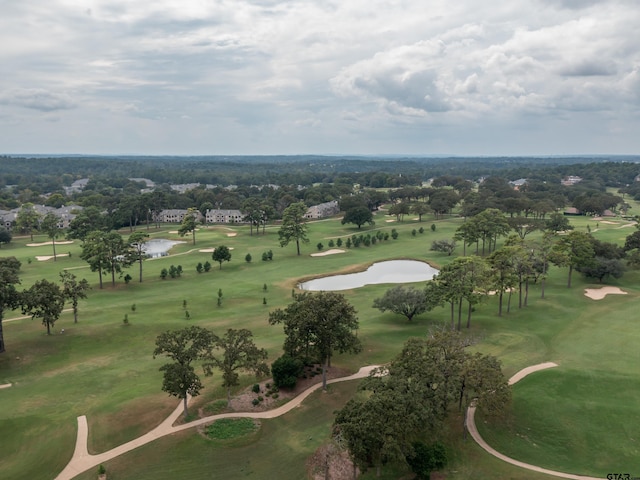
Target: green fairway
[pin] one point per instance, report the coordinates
(104, 369)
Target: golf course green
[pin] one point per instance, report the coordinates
(582, 417)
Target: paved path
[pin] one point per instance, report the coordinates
(82, 460)
(471, 426)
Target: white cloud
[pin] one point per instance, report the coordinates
(323, 72)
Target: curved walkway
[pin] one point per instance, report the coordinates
(82, 460)
(471, 426)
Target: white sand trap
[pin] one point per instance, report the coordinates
(628, 225)
(44, 258)
(6, 385)
(600, 293)
(495, 292)
(333, 251)
(607, 222)
(210, 250)
(231, 234)
(66, 242)
(389, 221)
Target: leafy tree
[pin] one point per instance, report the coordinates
(318, 324)
(221, 254)
(74, 290)
(558, 223)
(188, 224)
(443, 200)
(426, 459)
(45, 300)
(602, 267)
(252, 211)
(523, 226)
(51, 228)
(5, 236)
(136, 252)
(420, 209)
(410, 398)
(465, 278)
(117, 254)
(573, 250)
(9, 296)
(105, 252)
(490, 224)
(400, 210)
(469, 234)
(377, 429)
(286, 370)
(444, 246)
(88, 220)
(27, 220)
(293, 225)
(407, 301)
(238, 352)
(183, 347)
(632, 241)
(358, 216)
(503, 277)
(247, 258)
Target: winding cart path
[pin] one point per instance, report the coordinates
(473, 430)
(82, 460)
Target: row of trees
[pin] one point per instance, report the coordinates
(233, 352)
(409, 400)
(509, 271)
(44, 299)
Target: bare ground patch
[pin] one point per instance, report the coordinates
(243, 401)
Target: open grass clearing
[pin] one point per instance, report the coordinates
(104, 369)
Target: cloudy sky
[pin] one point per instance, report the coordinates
(511, 77)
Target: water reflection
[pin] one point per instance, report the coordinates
(158, 247)
(392, 271)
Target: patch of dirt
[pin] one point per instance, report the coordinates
(329, 461)
(243, 401)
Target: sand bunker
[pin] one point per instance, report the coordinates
(44, 258)
(6, 385)
(210, 250)
(600, 293)
(389, 221)
(231, 234)
(333, 251)
(607, 222)
(48, 243)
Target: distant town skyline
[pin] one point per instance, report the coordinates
(268, 77)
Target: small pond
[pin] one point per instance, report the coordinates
(158, 247)
(392, 271)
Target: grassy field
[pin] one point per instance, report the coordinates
(104, 369)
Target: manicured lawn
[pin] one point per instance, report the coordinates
(104, 369)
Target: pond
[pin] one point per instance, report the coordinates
(158, 247)
(392, 271)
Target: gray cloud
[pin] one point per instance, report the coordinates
(37, 99)
(268, 75)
